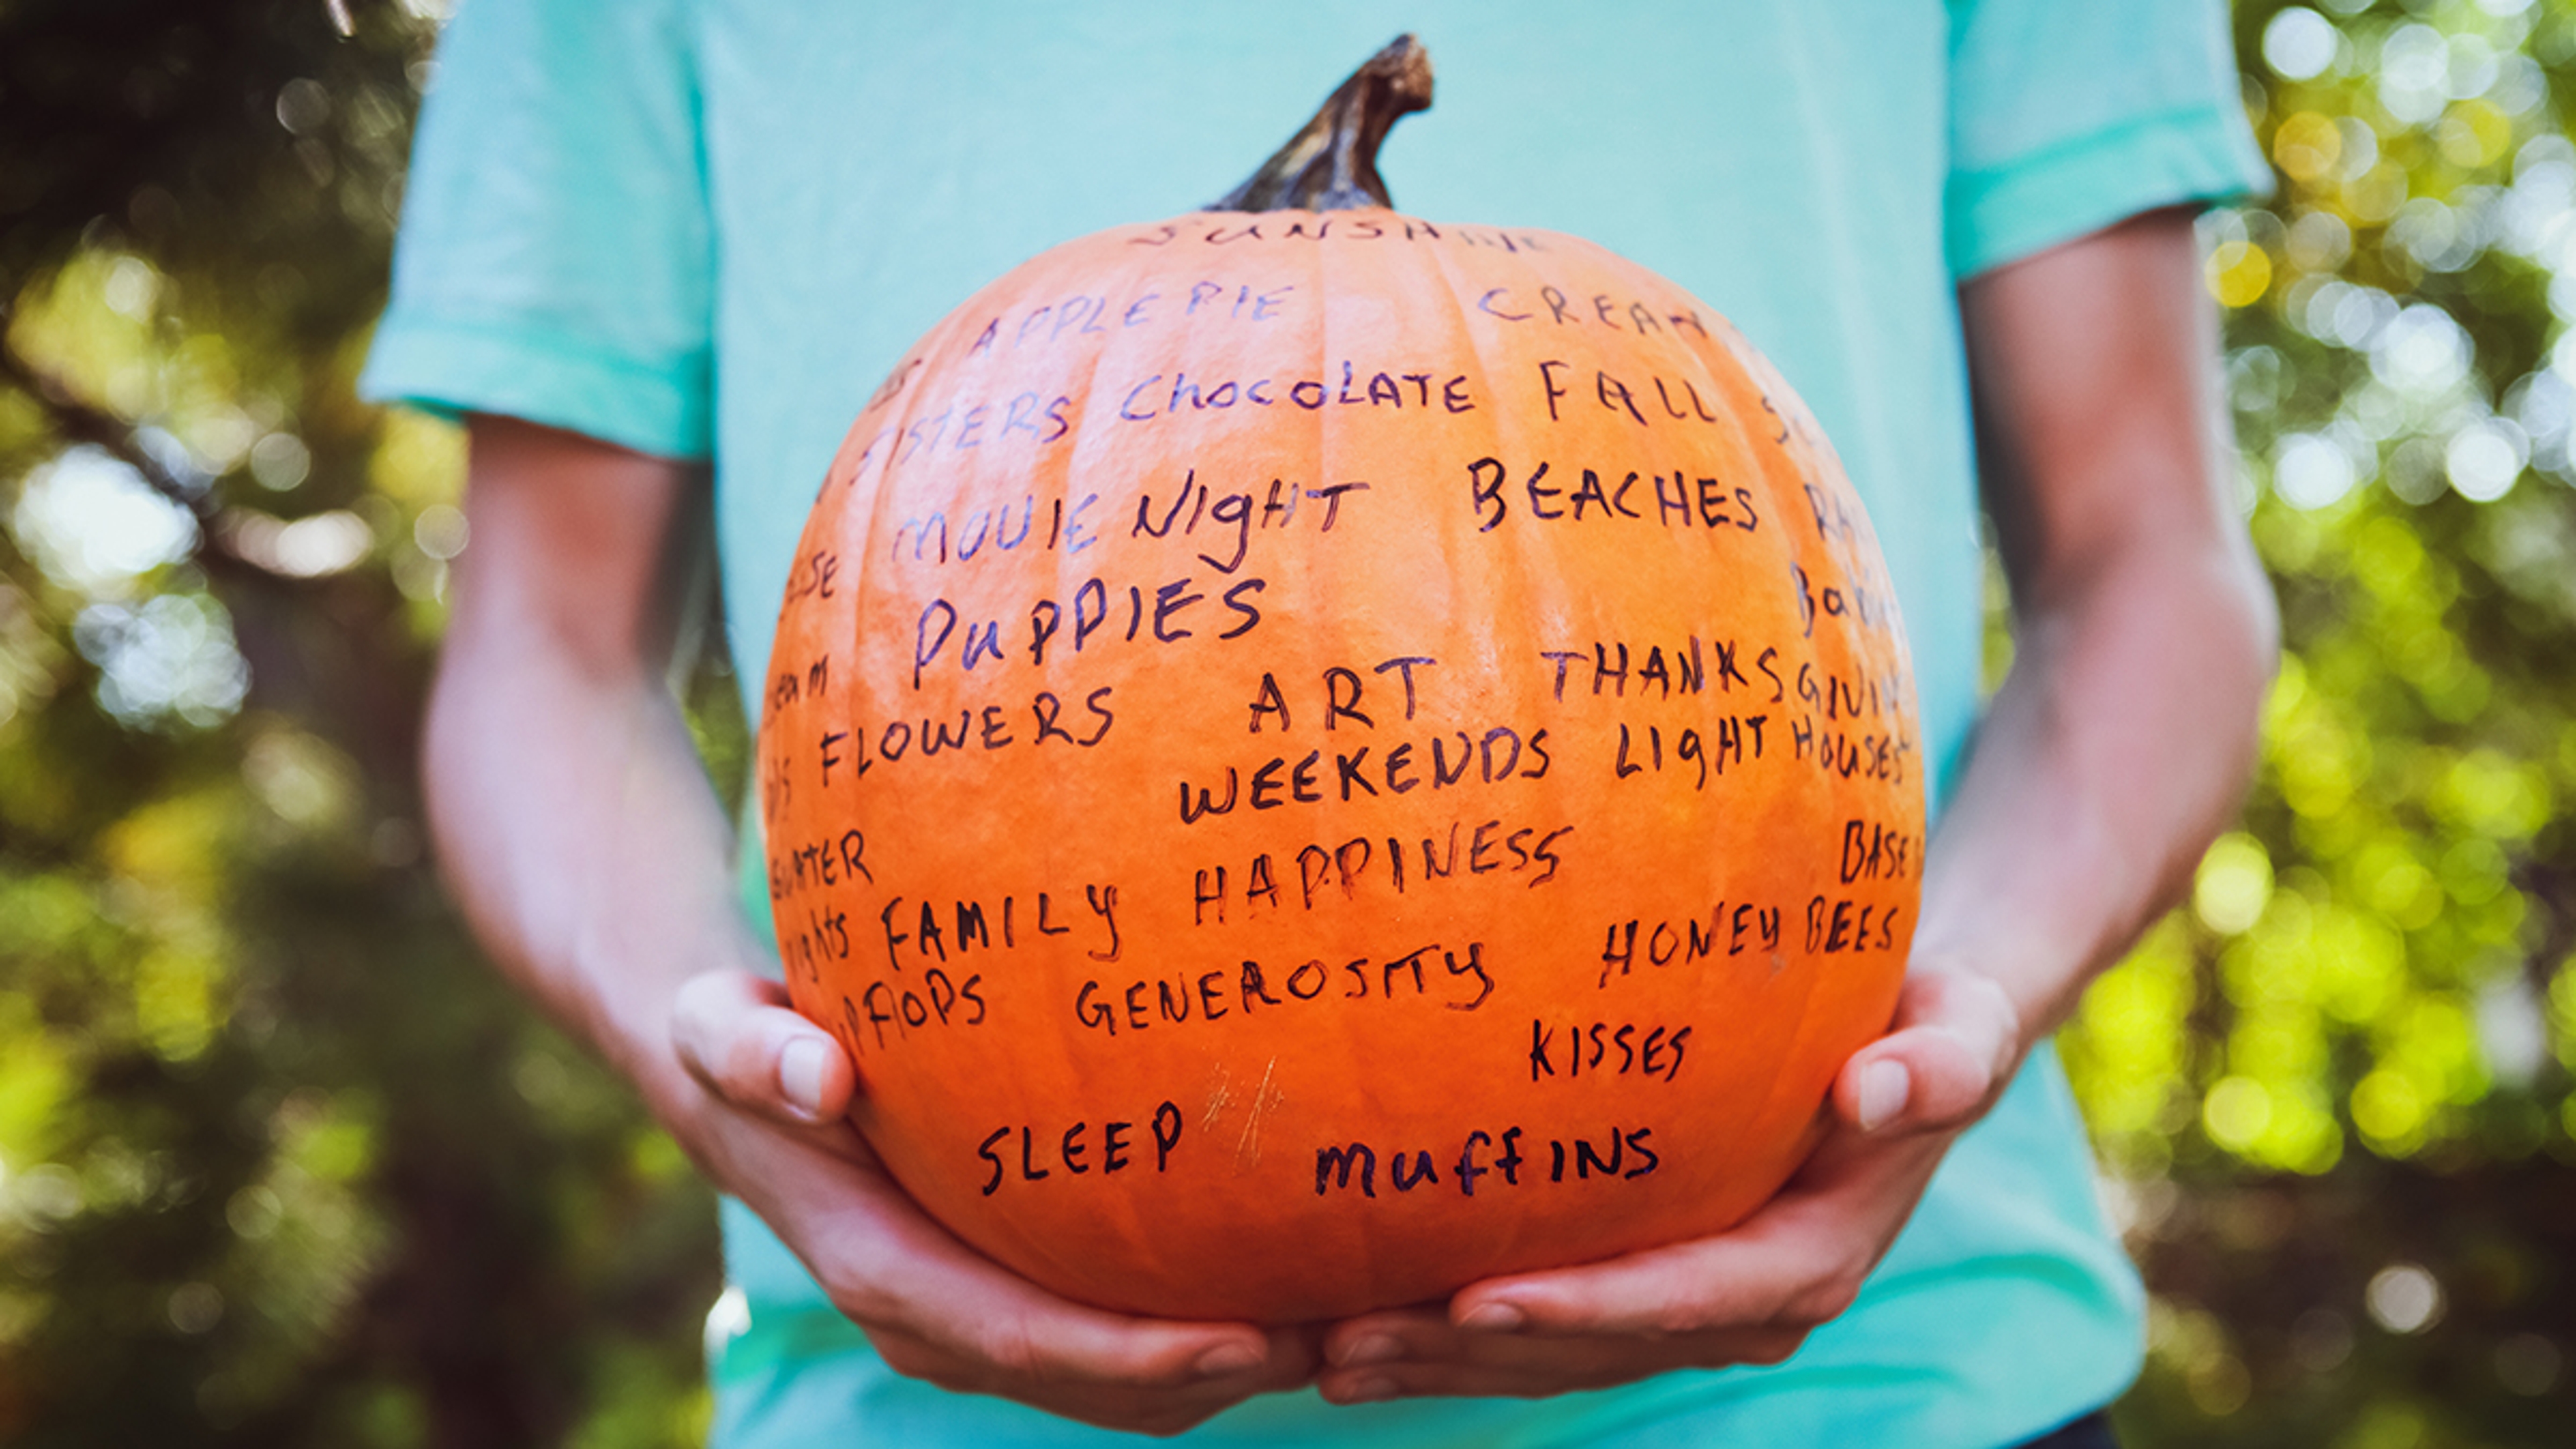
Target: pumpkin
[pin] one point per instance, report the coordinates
(1313, 756)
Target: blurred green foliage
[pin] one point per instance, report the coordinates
(281, 1163)
(2333, 1093)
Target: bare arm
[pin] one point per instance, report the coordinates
(575, 825)
(2119, 744)
(2145, 631)
(550, 734)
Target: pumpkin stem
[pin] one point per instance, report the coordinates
(1331, 165)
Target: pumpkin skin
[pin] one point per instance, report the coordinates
(1314, 758)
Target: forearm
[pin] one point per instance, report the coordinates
(573, 820)
(2117, 748)
(577, 829)
(2125, 733)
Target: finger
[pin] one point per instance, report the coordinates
(1688, 1287)
(1798, 1262)
(1388, 1334)
(1038, 1338)
(737, 1035)
(1180, 1364)
(1956, 1040)
(1126, 1407)
(1444, 1362)
(892, 1269)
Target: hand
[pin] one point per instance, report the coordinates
(1751, 1294)
(772, 1131)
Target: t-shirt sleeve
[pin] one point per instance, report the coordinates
(554, 258)
(2069, 115)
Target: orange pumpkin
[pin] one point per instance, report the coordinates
(1313, 756)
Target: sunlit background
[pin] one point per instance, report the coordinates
(281, 1164)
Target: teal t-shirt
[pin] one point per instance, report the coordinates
(706, 228)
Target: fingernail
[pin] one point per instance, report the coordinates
(1884, 1086)
(1369, 1390)
(1493, 1318)
(1375, 1348)
(1228, 1358)
(800, 1076)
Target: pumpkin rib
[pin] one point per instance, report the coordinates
(1322, 587)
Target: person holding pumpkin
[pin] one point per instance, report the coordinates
(649, 238)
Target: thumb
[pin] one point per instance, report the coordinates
(737, 1035)
(1957, 1037)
